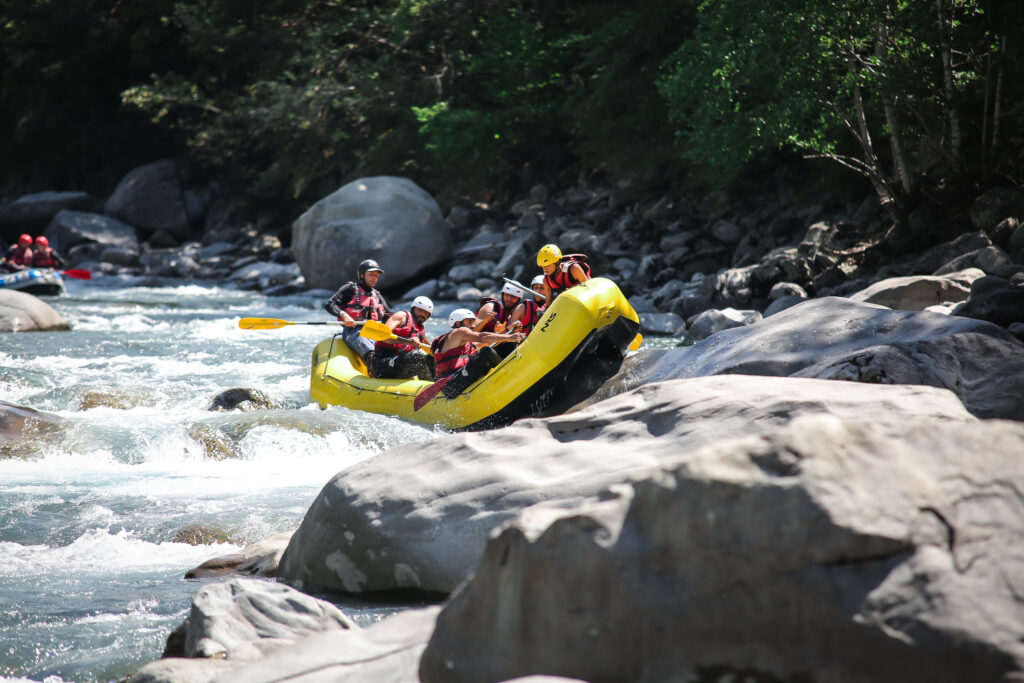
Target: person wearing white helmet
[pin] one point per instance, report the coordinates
(393, 359)
(493, 314)
(529, 311)
(456, 349)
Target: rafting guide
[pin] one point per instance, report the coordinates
(358, 301)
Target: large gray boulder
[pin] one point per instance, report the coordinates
(70, 228)
(418, 517)
(32, 212)
(21, 312)
(150, 197)
(979, 361)
(388, 219)
(830, 550)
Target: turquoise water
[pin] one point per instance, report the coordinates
(90, 571)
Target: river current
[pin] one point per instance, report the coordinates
(93, 525)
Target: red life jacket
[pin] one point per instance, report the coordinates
(451, 360)
(562, 278)
(21, 256)
(44, 259)
(366, 304)
(502, 315)
(531, 315)
(411, 328)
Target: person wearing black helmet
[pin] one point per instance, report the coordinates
(359, 300)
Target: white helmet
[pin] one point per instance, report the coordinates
(458, 315)
(512, 290)
(423, 303)
(539, 280)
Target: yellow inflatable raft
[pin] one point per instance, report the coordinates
(578, 344)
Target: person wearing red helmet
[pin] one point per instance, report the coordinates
(19, 256)
(45, 257)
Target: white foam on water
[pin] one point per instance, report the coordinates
(100, 551)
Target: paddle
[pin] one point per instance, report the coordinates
(380, 332)
(76, 274)
(423, 398)
(523, 287)
(274, 323)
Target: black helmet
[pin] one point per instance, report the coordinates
(367, 265)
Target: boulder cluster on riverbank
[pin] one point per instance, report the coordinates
(822, 481)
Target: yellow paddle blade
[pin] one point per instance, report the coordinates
(376, 331)
(637, 341)
(262, 323)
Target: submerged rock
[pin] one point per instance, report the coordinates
(419, 517)
(810, 552)
(27, 433)
(256, 559)
(242, 399)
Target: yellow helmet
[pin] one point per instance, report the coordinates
(548, 254)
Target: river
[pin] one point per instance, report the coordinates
(91, 561)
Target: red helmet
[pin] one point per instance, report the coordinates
(42, 241)
(25, 240)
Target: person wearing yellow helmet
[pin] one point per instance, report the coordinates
(560, 272)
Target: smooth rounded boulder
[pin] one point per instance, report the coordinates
(979, 361)
(21, 312)
(151, 198)
(828, 550)
(419, 517)
(391, 220)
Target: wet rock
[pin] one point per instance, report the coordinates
(266, 274)
(389, 219)
(868, 567)
(21, 312)
(196, 534)
(241, 398)
(258, 559)
(151, 198)
(27, 433)
(418, 517)
(917, 292)
(215, 444)
(121, 399)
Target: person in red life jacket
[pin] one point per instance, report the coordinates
(358, 300)
(456, 350)
(19, 256)
(529, 310)
(395, 359)
(561, 272)
(494, 314)
(45, 257)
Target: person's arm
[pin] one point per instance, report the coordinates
(396, 320)
(488, 337)
(57, 258)
(486, 314)
(547, 293)
(577, 273)
(515, 320)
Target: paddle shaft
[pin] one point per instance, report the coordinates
(274, 323)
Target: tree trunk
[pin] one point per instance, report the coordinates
(998, 98)
(946, 55)
(895, 137)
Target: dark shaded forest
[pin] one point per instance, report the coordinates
(280, 102)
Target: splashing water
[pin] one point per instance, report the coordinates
(92, 515)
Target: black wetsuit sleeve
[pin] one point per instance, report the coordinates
(340, 300)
